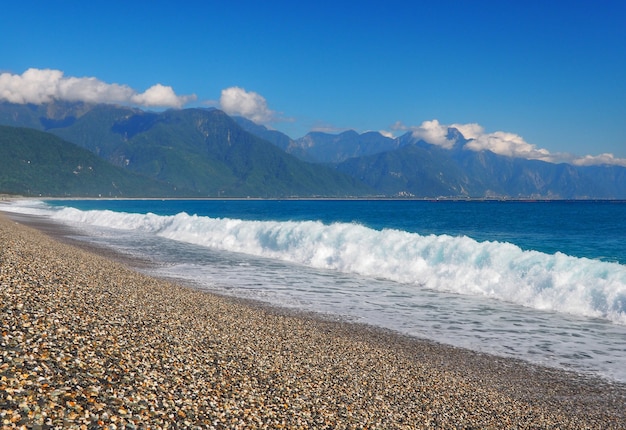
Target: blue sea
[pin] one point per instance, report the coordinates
(543, 282)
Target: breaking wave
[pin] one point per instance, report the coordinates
(502, 271)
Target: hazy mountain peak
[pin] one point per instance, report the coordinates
(213, 154)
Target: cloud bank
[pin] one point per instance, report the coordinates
(499, 142)
(39, 86)
(248, 104)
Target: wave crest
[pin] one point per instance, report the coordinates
(461, 265)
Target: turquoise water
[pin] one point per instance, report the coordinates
(540, 281)
(581, 228)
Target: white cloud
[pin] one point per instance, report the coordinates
(470, 131)
(433, 132)
(39, 86)
(499, 142)
(248, 104)
(514, 145)
(161, 95)
(591, 160)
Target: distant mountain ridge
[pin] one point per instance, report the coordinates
(410, 167)
(202, 150)
(320, 147)
(214, 155)
(36, 163)
(420, 169)
(329, 148)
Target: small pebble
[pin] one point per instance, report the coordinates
(88, 342)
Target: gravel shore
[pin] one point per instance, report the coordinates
(87, 342)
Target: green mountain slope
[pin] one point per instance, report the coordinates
(207, 151)
(204, 150)
(199, 149)
(214, 155)
(41, 164)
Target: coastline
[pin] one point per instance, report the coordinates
(90, 341)
(494, 199)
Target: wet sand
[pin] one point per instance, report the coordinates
(86, 340)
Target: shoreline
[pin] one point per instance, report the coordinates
(442, 199)
(288, 367)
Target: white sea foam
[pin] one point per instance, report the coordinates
(394, 279)
(461, 265)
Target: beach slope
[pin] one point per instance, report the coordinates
(86, 340)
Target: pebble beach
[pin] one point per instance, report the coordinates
(87, 342)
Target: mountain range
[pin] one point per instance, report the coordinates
(204, 152)
(200, 150)
(410, 167)
(36, 163)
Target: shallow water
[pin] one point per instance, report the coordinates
(500, 297)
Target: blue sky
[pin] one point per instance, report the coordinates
(537, 75)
